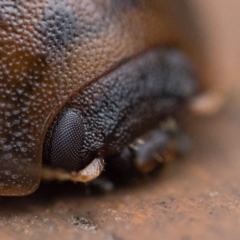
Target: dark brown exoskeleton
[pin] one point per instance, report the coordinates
(87, 82)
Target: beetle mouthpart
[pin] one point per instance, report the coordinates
(90, 172)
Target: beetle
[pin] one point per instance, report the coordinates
(57, 59)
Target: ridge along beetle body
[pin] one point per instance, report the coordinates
(50, 51)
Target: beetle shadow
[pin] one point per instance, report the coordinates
(49, 193)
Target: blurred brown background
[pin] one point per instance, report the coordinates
(196, 197)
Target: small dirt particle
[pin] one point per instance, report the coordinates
(83, 223)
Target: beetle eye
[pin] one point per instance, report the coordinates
(62, 148)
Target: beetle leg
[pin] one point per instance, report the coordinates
(145, 154)
(157, 148)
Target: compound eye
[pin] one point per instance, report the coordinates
(64, 141)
